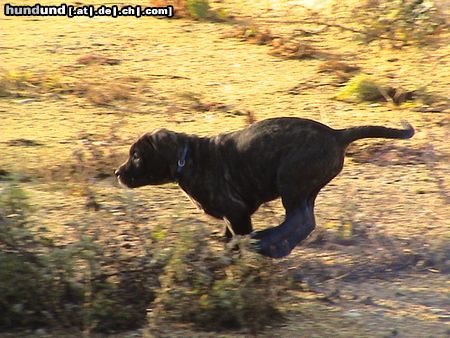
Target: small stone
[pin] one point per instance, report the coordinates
(25, 101)
(353, 314)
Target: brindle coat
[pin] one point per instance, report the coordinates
(230, 175)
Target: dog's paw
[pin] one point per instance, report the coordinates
(269, 248)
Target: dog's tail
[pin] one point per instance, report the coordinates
(347, 136)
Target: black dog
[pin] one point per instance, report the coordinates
(230, 175)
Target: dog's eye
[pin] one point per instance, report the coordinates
(136, 159)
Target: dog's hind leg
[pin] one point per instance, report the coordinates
(279, 241)
(299, 180)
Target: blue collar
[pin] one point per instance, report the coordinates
(182, 161)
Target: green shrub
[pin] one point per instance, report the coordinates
(363, 88)
(216, 289)
(82, 284)
(198, 9)
(29, 295)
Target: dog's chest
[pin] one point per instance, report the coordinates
(194, 201)
(205, 207)
(197, 204)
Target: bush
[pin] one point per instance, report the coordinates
(409, 21)
(83, 284)
(362, 88)
(198, 9)
(214, 289)
(28, 296)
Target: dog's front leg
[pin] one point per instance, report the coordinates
(278, 242)
(237, 224)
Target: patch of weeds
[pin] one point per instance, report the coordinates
(90, 59)
(103, 94)
(295, 49)
(198, 9)
(23, 142)
(346, 230)
(286, 48)
(406, 21)
(363, 88)
(88, 163)
(28, 84)
(342, 70)
(222, 15)
(117, 289)
(197, 103)
(252, 34)
(214, 289)
(14, 84)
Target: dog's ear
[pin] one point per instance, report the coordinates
(164, 141)
(163, 135)
(166, 144)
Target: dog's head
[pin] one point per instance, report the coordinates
(152, 160)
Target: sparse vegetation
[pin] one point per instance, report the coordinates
(82, 283)
(105, 95)
(216, 289)
(96, 286)
(341, 70)
(405, 21)
(19, 84)
(290, 48)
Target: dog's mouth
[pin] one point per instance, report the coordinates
(121, 182)
(129, 182)
(126, 183)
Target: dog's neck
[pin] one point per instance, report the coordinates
(190, 149)
(199, 163)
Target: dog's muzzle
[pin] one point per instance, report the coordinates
(118, 173)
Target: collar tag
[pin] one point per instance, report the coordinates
(182, 161)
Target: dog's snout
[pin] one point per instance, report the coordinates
(119, 171)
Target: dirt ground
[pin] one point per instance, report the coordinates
(388, 278)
